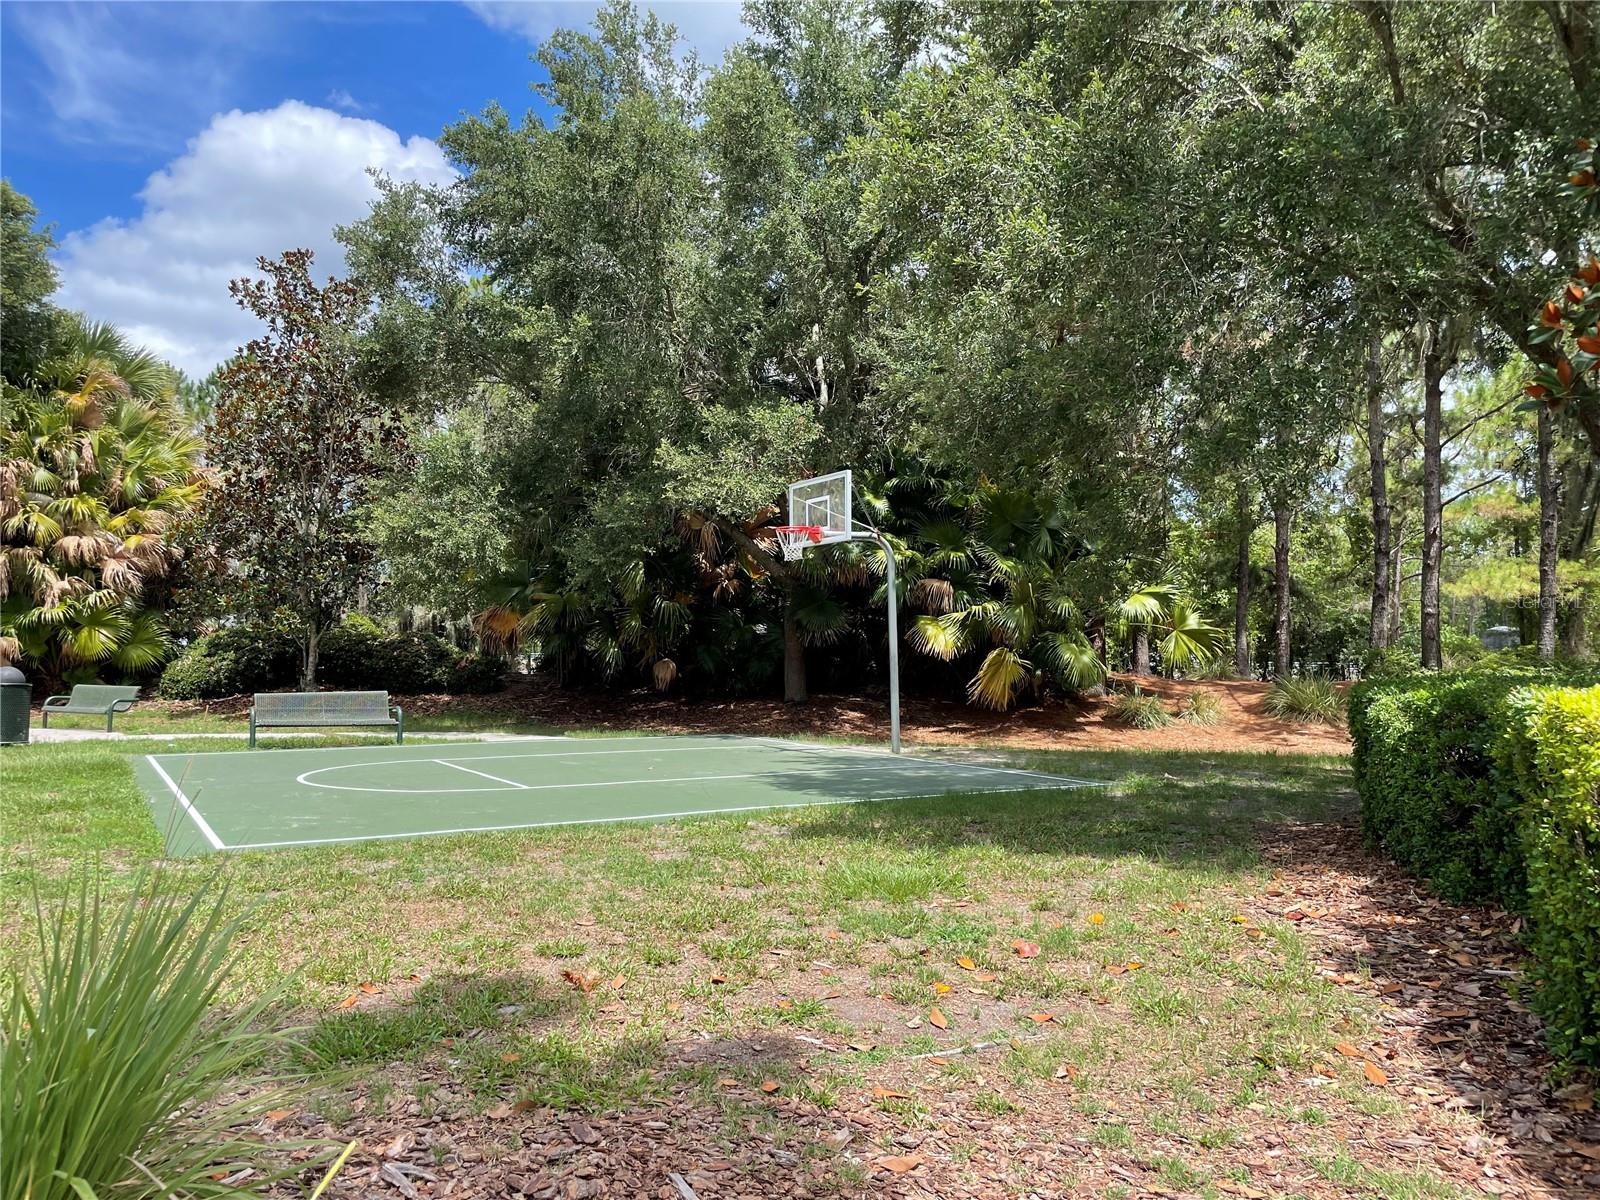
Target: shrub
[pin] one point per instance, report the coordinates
(1201, 707)
(114, 1056)
(1424, 764)
(232, 662)
(360, 655)
(1139, 710)
(1310, 698)
(357, 655)
(1549, 755)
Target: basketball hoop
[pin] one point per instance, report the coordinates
(793, 539)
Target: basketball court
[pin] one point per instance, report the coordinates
(269, 799)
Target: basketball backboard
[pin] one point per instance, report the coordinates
(824, 502)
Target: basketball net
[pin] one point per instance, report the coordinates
(793, 539)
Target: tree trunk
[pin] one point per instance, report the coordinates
(1141, 650)
(308, 658)
(1549, 530)
(794, 656)
(1377, 461)
(1397, 570)
(1433, 370)
(1241, 584)
(1281, 520)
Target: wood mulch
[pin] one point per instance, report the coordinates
(1056, 725)
(1464, 1094)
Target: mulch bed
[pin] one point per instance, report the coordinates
(1054, 725)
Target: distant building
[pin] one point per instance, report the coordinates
(1501, 637)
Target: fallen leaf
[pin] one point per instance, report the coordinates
(1374, 1073)
(1116, 969)
(370, 989)
(883, 1093)
(499, 1112)
(1067, 1071)
(941, 988)
(617, 982)
(278, 1114)
(938, 1061)
(414, 977)
(833, 993)
(786, 1005)
(580, 979)
(1097, 918)
(510, 1057)
(966, 964)
(1349, 1051)
(770, 1085)
(719, 979)
(937, 1019)
(899, 1164)
(349, 1001)
(985, 977)
(727, 1081)
(1025, 949)
(1041, 1017)
(1391, 988)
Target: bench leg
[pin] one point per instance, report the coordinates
(400, 730)
(108, 722)
(45, 714)
(252, 745)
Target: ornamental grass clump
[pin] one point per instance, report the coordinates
(1309, 699)
(1201, 707)
(122, 1075)
(1139, 710)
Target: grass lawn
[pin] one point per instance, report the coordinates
(758, 981)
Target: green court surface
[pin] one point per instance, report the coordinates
(262, 799)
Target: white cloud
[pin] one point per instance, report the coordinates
(250, 184)
(340, 98)
(710, 26)
(123, 74)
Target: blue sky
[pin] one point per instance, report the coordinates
(172, 143)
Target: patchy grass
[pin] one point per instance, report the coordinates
(802, 953)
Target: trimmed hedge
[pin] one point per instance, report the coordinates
(1551, 752)
(1484, 783)
(1424, 762)
(358, 655)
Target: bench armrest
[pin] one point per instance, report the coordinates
(396, 711)
(122, 705)
(50, 700)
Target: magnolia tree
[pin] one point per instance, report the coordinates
(298, 447)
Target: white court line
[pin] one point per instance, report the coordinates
(444, 762)
(1068, 780)
(692, 812)
(708, 740)
(194, 813)
(528, 787)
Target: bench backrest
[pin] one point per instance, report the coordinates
(100, 695)
(283, 706)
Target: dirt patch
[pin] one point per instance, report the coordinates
(1056, 725)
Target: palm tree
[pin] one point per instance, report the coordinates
(1184, 637)
(991, 575)
(97, 467)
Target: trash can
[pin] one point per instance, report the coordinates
(16, 695)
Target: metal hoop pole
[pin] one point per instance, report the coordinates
(894, 635)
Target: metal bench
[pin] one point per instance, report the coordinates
(306, 710)
(91, 699)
